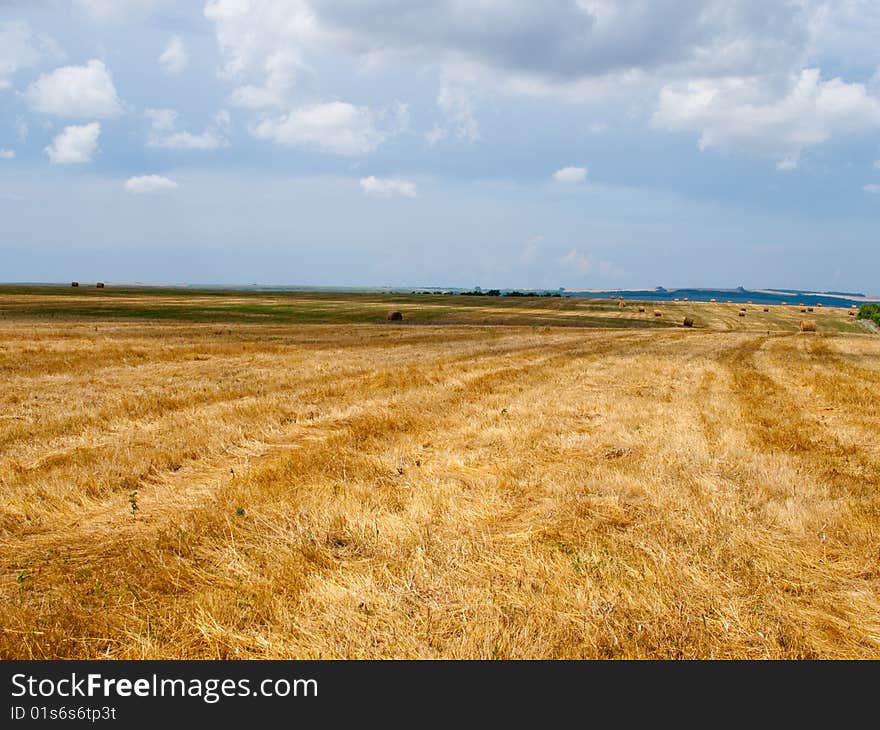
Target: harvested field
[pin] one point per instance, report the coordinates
(220, 476)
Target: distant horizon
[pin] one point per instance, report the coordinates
(439, 289)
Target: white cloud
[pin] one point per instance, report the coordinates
(570, 175)
(174, 58)
(20, 48)
(165, 135)
(436, 134)
(149, 184)
(336, 127)
(6, 154)
(162, 120)
(76, 144)
(626, 53)
(744, 114)
(872, 188)
(76, 91)
(458, 106)
(531, 249)
(388, 187)
(576, 261)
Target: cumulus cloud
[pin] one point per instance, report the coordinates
(174, 58)
(576, 261)
(387, 187)
(570, 175)
(531, 249)
(149, 184)
(458, 106)
(75, 144)
(646, 57)
(336, 127)
(872, 188)
(745, 115)
(80, 92)
(21, 48)
(6, 154)
(165, 135)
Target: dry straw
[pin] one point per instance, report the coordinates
(808, 325)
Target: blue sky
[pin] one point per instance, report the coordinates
(585, 144)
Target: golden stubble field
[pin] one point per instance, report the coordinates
(174, 489)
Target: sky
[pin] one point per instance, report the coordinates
(587, 144)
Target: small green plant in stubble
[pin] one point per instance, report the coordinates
(133, 503)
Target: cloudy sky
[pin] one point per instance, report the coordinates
(578, 143)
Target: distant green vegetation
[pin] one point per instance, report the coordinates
(870, 311)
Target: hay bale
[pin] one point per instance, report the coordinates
(395, 317)
(100, 285)
(742, 309)
(809, 309)
(712, 301)
(851, 313)
(766, 309)
(742, 314)
(641, 309)
(675, 300)
(808, 325)
(688, 322)
(819, 305)
(74, 283)
(803, 310)
(658, 313)
(685, 299)
(854, 306)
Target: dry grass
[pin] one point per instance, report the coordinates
(267, 490)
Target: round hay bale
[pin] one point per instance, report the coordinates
(852, 313)
(803, 310)
(809, 309)
(712, 301)
(658, 313)
(742, 314)
(688, 322)
(74, 283)
(100, 285)
(854, 306)
(685, 299)
(395, 316)
(742, 309)
(642, 309)
(808, 325)
(766, 309)
(819, 305)
(675, 300)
